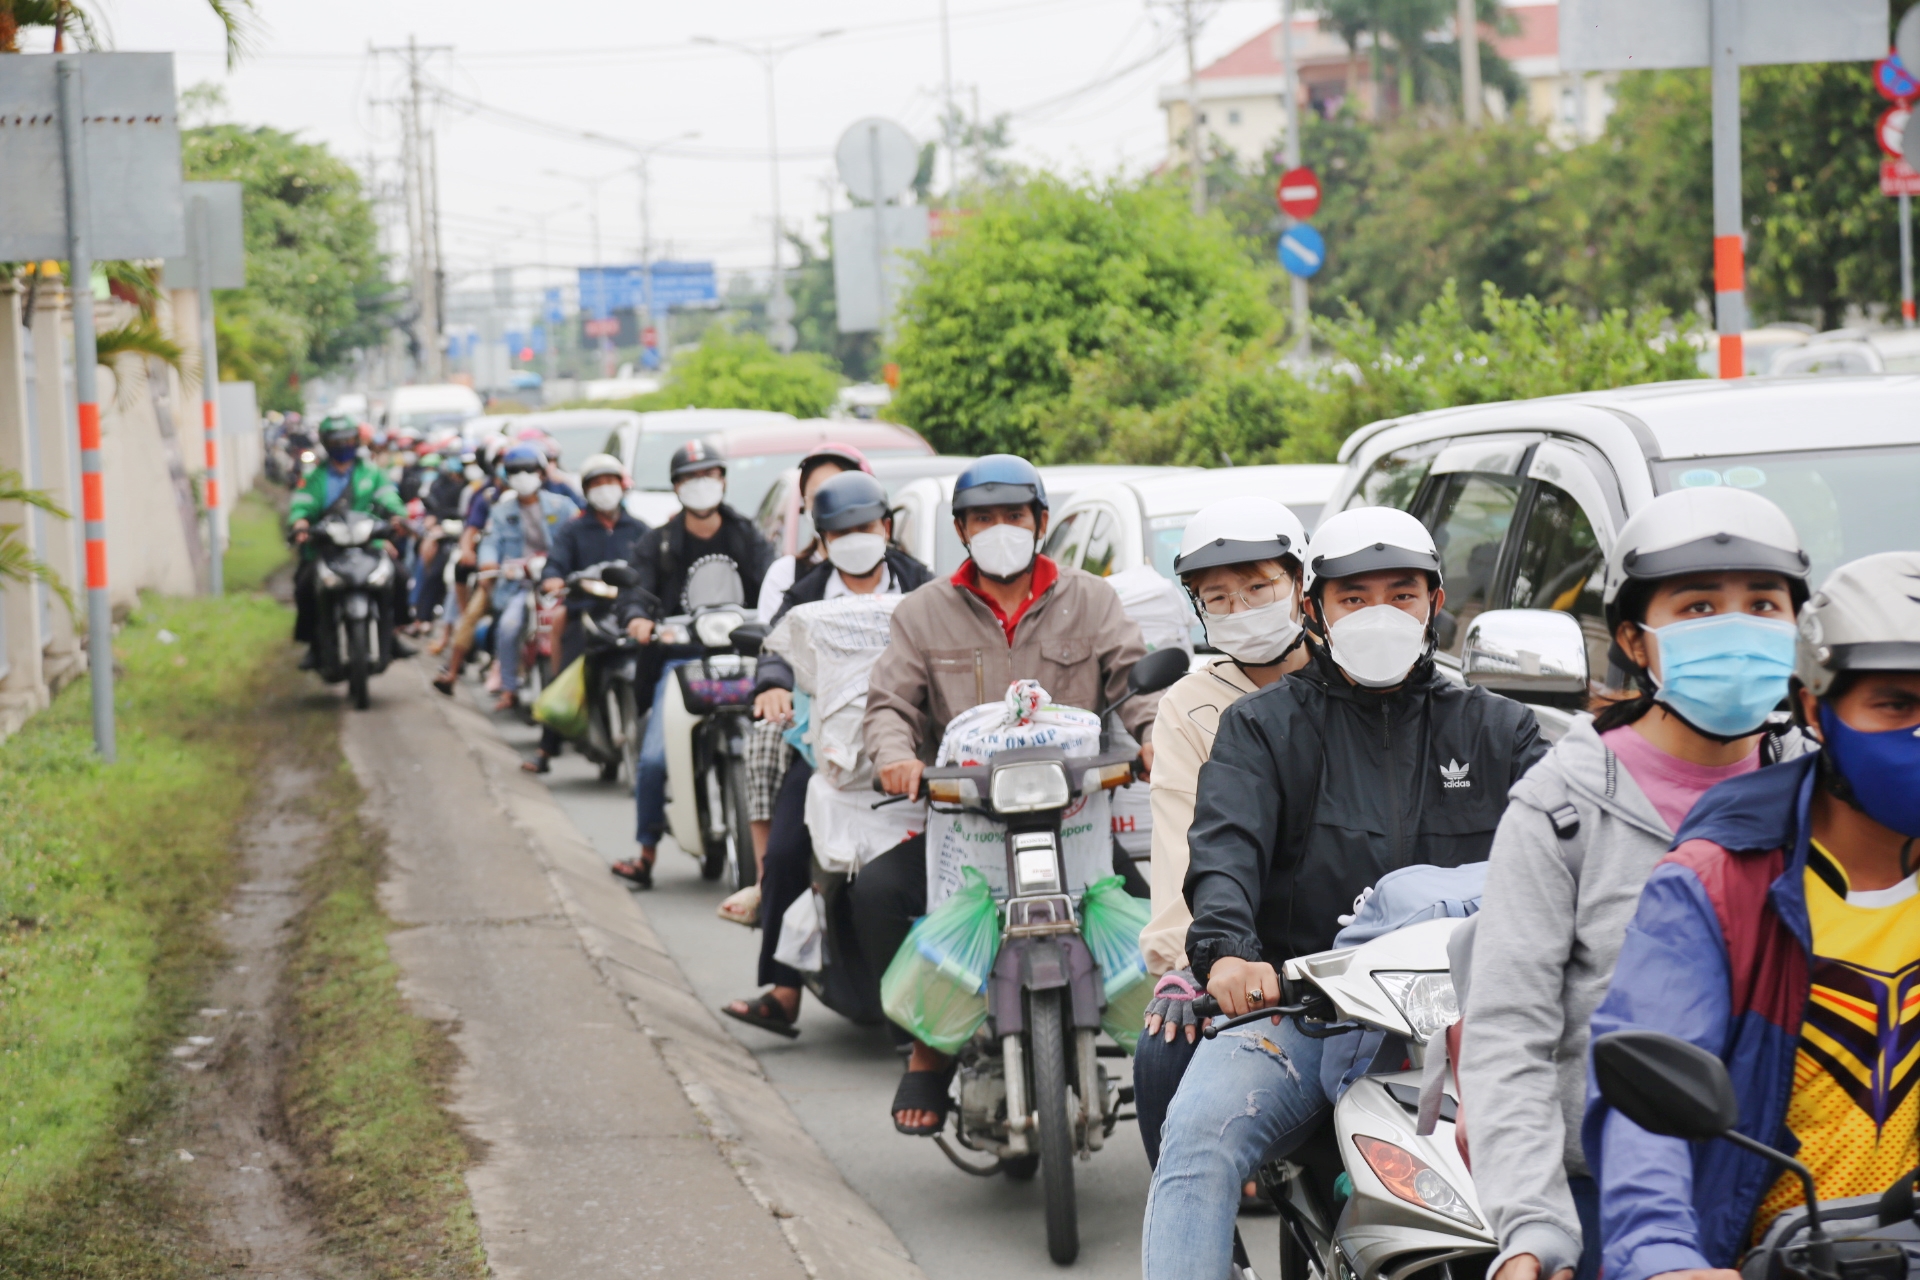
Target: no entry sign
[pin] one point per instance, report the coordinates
(1298, 193)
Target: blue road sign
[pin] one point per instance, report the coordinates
(605, 290)
(554, 313)
(1302, 251)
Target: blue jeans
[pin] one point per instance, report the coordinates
(514, 613)
(1249, 1096)
(1157, 1068)
(650, 773)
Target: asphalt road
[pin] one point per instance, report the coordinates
(839, 1078)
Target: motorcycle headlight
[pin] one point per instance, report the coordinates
(604, 590)
(328, 578)
(381, 574)
(1030, 786)
(715, 630)
(1424, 998)
(1414, 1180)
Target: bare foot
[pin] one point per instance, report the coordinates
(922, 1059)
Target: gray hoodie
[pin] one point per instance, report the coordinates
(1544, 946)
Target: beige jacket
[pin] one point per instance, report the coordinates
(947, 652)
(1182, 741)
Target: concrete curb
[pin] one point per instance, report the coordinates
(832, 1231)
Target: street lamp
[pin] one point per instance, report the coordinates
(546, 264)
(644, 153)
(768, 54)
(593, 216)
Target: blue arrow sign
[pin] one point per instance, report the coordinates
(1302, 251)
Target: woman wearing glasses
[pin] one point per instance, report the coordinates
(1240, 563)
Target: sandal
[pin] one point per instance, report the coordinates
(742, 907)
(507, 700)
(444, 683)
(540, 763)
(924, 1091)
(766, 1013)
(634, 871)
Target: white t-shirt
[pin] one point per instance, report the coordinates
(774, 586)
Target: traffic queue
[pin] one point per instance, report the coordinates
(1531, 888)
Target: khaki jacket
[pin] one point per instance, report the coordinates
(947, 652)
(1182, 741)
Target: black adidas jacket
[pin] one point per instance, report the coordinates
(1316, 788)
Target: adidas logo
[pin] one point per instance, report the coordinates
(1454, 775)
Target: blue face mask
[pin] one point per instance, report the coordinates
(1882, 768)
(1722, 674)
(345, 453)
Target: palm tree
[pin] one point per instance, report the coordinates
(1425, 69)
(67, 18)
(17, 561)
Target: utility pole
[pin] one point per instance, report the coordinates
(1729, 247)
(1196, 165)
(946, 97)
(1290, 85)
(593, 186)
(1472, 97)
(423, 205)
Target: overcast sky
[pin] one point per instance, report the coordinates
(1079, 76)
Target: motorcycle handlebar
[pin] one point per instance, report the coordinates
(1206, 1009)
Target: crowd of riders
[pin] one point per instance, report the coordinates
(1722, 850)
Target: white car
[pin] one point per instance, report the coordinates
(646, 442)
(923, 508)
(1524, 498)
(429, 407)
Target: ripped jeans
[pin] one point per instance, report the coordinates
(1251, 1095)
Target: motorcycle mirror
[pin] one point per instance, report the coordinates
(1665, 1085)
(747, 639)
(1159, 670)
(620, 575)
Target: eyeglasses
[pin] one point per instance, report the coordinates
(1218, 602)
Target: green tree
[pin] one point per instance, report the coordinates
(1047, 274)
(740, 371)
(316, 288)
(72, 21)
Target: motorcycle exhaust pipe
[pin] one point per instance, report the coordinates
(1013, 1062)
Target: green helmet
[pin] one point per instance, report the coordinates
(337, 431)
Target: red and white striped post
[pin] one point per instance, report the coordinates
(209, 389)
(1729, 245)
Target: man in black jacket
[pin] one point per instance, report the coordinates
(1365, 761)
(850, 513)
(707, 537)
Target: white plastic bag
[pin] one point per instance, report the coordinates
(848, 832)
(832, 646)
(803, 928)
(1133, 819)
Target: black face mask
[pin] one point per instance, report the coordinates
(343, 453)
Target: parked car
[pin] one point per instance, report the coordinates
(758, 456)
(1524, 499)
(430, 407)
(923, 519)
(580, 433)
(1122, 524)
(781, 519)
(647, 441)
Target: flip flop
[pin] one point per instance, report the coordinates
(742, 907)
(923, 1091)
(765, 1013)
(635, 872)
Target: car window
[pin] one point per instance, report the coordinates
(1394, 479)
(1560, 567)
(1103, 544)
(1469, 518)
(1063, 543)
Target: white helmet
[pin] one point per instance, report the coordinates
(1238, 531)
(1865, 617)
(1363, 539)
(601, 464)
(1703, 531)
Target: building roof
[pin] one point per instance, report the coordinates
(1539, 36)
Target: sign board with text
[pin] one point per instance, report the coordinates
(605, 290)
(1898, 178)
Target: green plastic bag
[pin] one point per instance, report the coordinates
(562, 705)
(936, 985)
(1111, 920)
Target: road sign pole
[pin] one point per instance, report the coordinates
(198, 212)
(1729, 255)
(1302, 326)
(93, 502)
(1906, 260)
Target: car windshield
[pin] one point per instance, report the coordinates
(1845, 503)
(578, 443)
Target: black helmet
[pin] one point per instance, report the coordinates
(999, 480)
(847, 501)
(694, 455)
(338, 431)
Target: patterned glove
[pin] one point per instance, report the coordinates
(1172, 1005)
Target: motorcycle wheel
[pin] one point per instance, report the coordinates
(357, 666)
(1046, 1018)
(742, 867)
(712, 804)
(623, 735)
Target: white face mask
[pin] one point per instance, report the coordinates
(856, 553)
(1002, 551)
(1377, 645)
(605, 497)
(1255, 636)
(474, 474)
(702, 495)
(525, 483)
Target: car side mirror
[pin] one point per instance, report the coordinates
(1159, 670)
(1665, 1085)
(1533, 655)
(748, 639)
(620, 575)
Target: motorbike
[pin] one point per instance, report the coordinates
(1032, 1090)
(353, 580)
(611, 660)
(1670, 1087)
(709, 713)
(1366, 1197)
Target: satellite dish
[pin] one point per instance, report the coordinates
(877, 159)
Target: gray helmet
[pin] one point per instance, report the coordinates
(1701, 531)
(599, 465)
(1865, 617)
